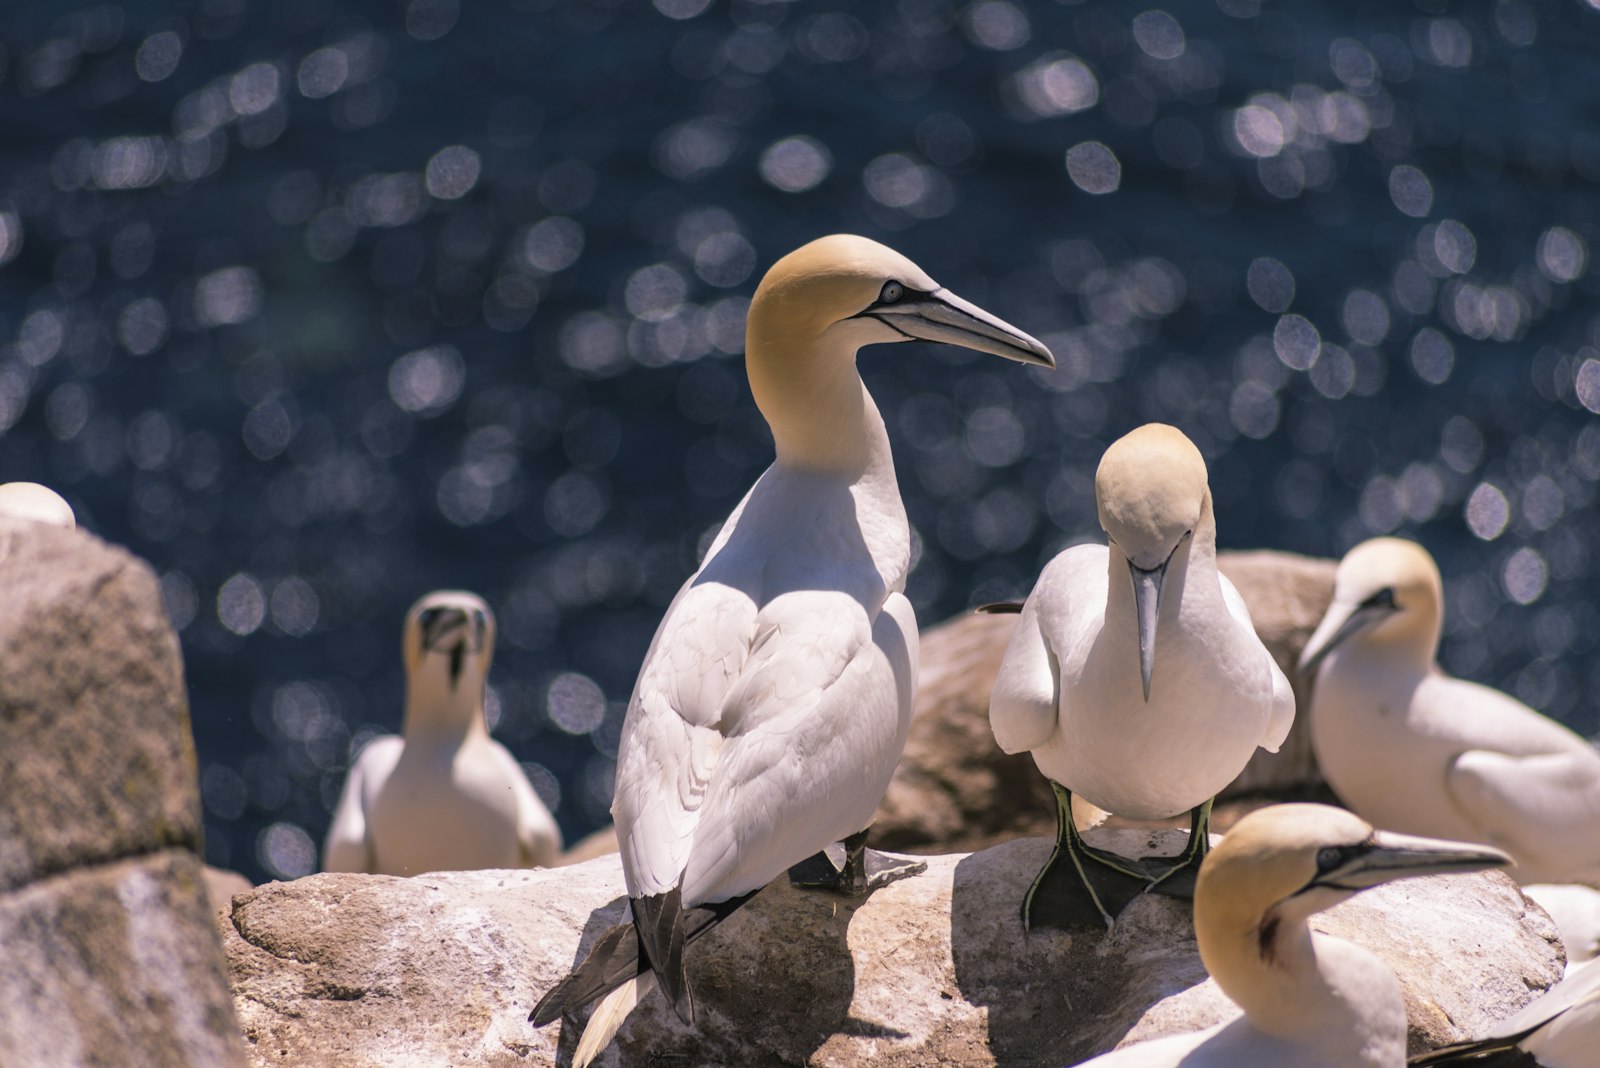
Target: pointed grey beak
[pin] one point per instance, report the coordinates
(1147, 608)
(943, 316)
(1388, 856)
(1331, 633)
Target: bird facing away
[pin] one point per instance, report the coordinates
(1411, 748)
(29, 500)
(774, 701)
(443, 796)
(1135, 678)
(1560, 1029)
(1309, 1000)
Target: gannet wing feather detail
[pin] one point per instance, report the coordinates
(1023, 707)
(1282, 717)
(1558, 1028)
(1533, 806)
(349, 845)
(766, 806)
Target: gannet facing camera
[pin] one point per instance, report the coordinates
(30, 500)
(443, 796)
(774, 702)
(1309, 1000)
(1135, 678)
(1559, 1029)
(1412, 748)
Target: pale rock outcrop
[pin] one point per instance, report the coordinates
(109, 953)
(356, 970)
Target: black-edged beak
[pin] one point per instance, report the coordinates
(1334, 630)
(1387, 856)
(943, 316)
(1147, 610)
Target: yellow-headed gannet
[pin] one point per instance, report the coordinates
(1309, 1000)
(1412, 748)
(773, 704)
(1135, 677)
(29, 500)
(1561, 1029)
(443, 796)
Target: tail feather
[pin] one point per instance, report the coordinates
(608, 1017)
(613, 961)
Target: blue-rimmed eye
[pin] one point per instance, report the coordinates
(892, 291)
(1329, 858)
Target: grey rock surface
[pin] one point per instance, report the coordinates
(955, 789)
(109, 955)
(357, 970)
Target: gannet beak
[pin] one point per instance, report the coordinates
(943, 316)
(1334, 630)
(1387, 856)
(1147, 607)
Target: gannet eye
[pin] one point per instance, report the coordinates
(1329, 858)
(1384, 598)
(891, 292)
(428, 616)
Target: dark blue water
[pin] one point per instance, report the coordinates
(319, 306)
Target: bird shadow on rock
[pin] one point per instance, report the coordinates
(772, 984)
(1059, 997)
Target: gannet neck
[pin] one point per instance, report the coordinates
(438, 710)
(812, 396)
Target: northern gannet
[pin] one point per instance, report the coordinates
(1412, 748)
(1135, 677)
(774, 701)
(1309, 1000)
(1560, 1029)
(29, 500)
(443, 796)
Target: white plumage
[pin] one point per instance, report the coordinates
(30, 500)
(1411, 748)
(1134, 675)
(774, 701)
(444, 796)
(1309, 1000)
(1559, 1029)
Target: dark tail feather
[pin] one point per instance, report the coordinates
(999, 608)
(1478, 1054)
(615, 959)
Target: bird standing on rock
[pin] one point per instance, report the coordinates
(774, 701)
(1411, 748)
(443, 796)
(1309, 1000)
(1136, 679)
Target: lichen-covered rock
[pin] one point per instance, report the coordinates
(109, 957)
(357, 970)
(955, 789)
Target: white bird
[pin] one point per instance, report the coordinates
(1560, 1029)
(1309, 1000)
(1135, 677)
(1411, 748)
(443, 796)
(30, 500)
(773, 704)
(1575, 910)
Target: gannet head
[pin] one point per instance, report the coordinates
(1280, 864)
(41, 504)
(1388, 591)
(1151, 491)
(448, 640)
(852, 291)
